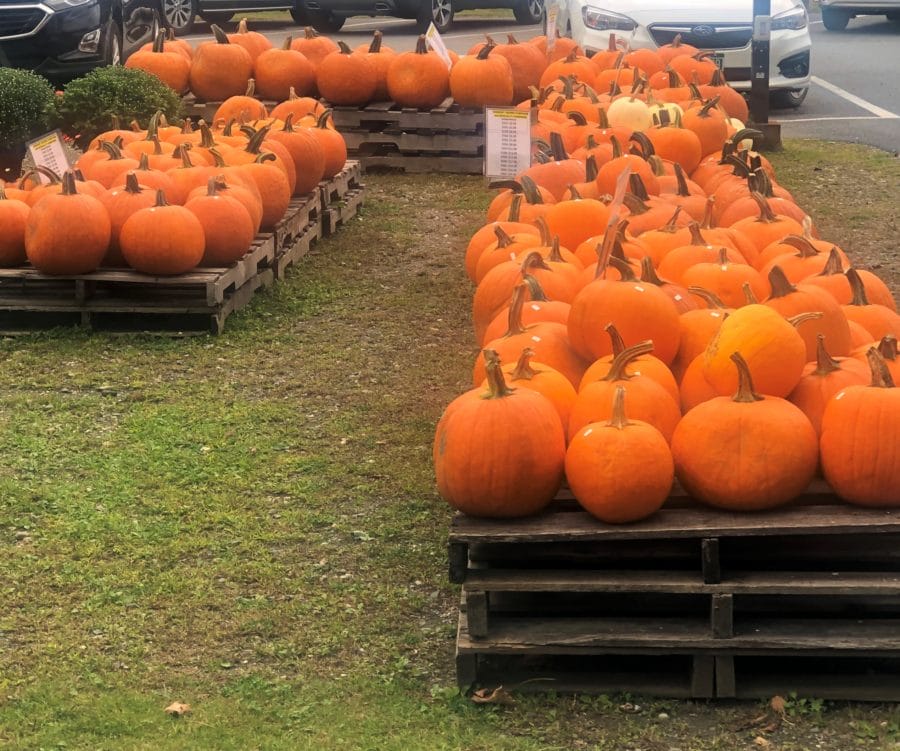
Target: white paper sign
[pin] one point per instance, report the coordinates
(552, 16)
(507, 141)
(48, 151)
(433, 39)
(762, 28)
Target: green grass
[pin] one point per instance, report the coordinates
(248, 523)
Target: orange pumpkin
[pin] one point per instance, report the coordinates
(220, 69)
(252, 41)
(345, 78)
(120, 203)
(13, 219)
(418, 79)
(481, 80)
(171, 67)
(277, 71)
(227, 226)
(162, 240)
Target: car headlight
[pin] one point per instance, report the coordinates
(63, 4)
(794, 19)
(604, 20)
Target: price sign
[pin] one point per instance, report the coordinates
(433, 39)
(552, 15)
(507, 142)
(48, 151)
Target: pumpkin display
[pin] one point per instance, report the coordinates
(878, 320)
(745, 452)
(620, 470)
(499, 453)
(220, 69)
(67, 232)
(860, 441)
(162, 240)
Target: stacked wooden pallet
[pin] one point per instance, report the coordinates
(447, 138)
(692, 602)
(122, 300)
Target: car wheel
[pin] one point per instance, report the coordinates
(835, 20)
(112, 44)
(788, 98)
(327, 23)
(180, 15)
(438, 12)
(217, 17)
(529, 11)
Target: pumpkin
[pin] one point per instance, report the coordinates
(481, 80)
(499, 453)
(694, 389)
(316, 48)
(120, 203)
(381, 57)
(306, 153)
(227, 226)
(833, 279)
(273, 186)
(745, 452)
(860, 442)
(650, 401)
(418, 79)
(771, 346)
(621, 470)
(255, 43)
(154, 179)
(345, 78)
(878, 320)
(244, 192)
(677, 261)
(824, 378)
(171, 67)
(162, 240)
(766, 228)
(527, 65)
(220, 69)
(507, 248)
(528, 374)
(333, 145)
(574, 221)
(109, 171)
(277, 71)
(13, 219)
(725, 279)
(298, 106)
(67, 233)
(709, 124)
(242, 108)
(536, 308)
(558, 171)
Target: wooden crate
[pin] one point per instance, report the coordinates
(341, 197)
(726, 598)
(123, 300)
(446, 138)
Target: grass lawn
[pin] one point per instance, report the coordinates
(248, 523)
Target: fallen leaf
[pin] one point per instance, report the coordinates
(177, 709)
(498, 696)
(778, 704)
(761, 742)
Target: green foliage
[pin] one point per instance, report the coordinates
(26, 105)
(91, 104)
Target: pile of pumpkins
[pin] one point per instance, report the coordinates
(491, 73)
(648, 309)
(167, 199)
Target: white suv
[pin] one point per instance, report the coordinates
(837, 13)
(723, 26)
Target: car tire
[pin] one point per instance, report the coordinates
(180, 15)
(438, 12)
(529, 12)
(217, 17)
(326, 23)
(835, 20)
(112, 44)
(299, 14)
(787, 99)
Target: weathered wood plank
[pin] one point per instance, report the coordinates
(722, 616)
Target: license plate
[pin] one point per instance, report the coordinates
(719, 59)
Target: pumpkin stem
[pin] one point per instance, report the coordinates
(681, 181)
(160, 41)
(503, 239)
(881, 376)
(344, 49)
(421, 46)
(497, 388)
(825, 363)
(555, 254)
(242, 27)
(618, 419)
(131, 183)
(765, 211)
(648, 273)
(796, 320)
(574, 194)
(857, 287)
(888, 347)
(530, 190)
(637, 187)
(375, 46)
(696, 236)
(645, 143)
(535, 290)
(514, 318)
(486, 50)
(220, 36)
(833, 265)
(618, 344)
(745, 392)
(544, 228)
(708, 296)
(68, 183)
(515, 207)
(534, 260)
(708, 221)
(803, 244)
(523, 370)
(623, 267)
(212, 186)
(780, 284)
(144, 162)
(624, 358)
(749, 294)
(672, 224)
(160, 198)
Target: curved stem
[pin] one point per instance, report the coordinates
(745, 392)
(708, 296)
(618, 344)
(796, 320)
(833, 265)
(523, 370)
(514, 319)
(825, 363)
(497, 388)
(857, 287)
(780, 284)
(621, 360)
(618, 419)
(535, 290)
(881, 376)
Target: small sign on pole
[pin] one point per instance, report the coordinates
(48, 151)
(552, 15)
(433, 39)
(507, 141)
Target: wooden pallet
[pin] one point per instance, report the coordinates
(422, 163)
(446, 117)
(341, 197)
(303, 242)
(125, 300)
(725, 597)
(301, 213)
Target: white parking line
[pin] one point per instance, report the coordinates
(787, 120)
(853, 99)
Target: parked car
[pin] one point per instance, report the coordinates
(723, 26)
(329, 15)
(62, 39)
(181, 14)
(836, 14)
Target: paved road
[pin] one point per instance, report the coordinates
(855, 95)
